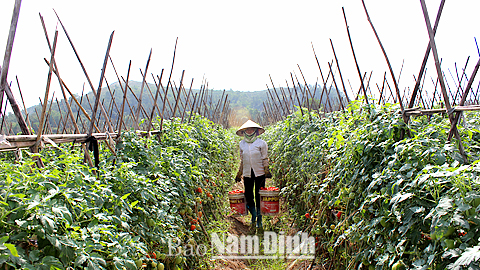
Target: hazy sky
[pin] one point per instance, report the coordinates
(234, 44)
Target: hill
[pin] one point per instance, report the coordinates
(244, 105)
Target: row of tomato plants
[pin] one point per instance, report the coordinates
(67, 215)
(377, 193)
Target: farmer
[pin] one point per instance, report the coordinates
(253, 167)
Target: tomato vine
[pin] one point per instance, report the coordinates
(375, 200)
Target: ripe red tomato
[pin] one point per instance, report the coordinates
(192, 228)
(307, 215)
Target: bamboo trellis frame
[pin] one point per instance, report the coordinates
(174, 100)
(104, 101)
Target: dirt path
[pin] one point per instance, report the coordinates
(240, 225)
(237, 226)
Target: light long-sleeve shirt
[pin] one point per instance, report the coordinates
(254, 156)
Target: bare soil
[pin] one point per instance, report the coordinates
(240, 225)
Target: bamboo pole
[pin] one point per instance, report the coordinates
(16, 110)
(383, 87)
(168, 83)
(124, 92)
(154, 103)
(336, 87)
(55, 67)
(323, 80)
(44, 106)
(307, 91)
(296, 94)
(112, 94)
(397, 91)
(47, 117)
(165, 100)
(273, 100)
(223, 112)
(66, 120)
(278, 98)
(109, 124)
(193, 107)
(141, 90)
(439, 74)
(285, 99)
(425, 58)
(339, 71)
(459, 87)
(186, 102)
(61, 116)
(217, 105)
(99, 89)
(3, 114)
(8, 49)
(162, 99)
(179, 93)
(355, 57)
(133, 111)
(464, 98)
(122, 110)
(326, 91)
(290, 94)
(27, 118)
(435, 91)
(72, 95)
(151, 95)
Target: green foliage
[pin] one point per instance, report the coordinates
(67, 215)
(377, 199)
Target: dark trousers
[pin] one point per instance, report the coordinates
(250, 183)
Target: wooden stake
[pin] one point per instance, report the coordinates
(8, 49)
(397, 91)
(464, 98)
(155, 104)
(186, 102)
(141, 91)
(44, 107)
(168, 83)
(24, 107)
(425, 58)
(339, 71)
(99, 90)
(123, 102)
(110, 127)
(69, 109)
(296, 94)
(354, 57)
(441, 80)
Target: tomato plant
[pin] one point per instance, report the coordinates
(67, 215)
(385, 194)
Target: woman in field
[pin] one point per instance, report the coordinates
(253, 167)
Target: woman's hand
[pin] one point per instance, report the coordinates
(267, 172)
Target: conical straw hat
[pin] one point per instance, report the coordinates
(250, 124)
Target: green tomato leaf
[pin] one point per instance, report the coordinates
(125, 196)
(12, 249)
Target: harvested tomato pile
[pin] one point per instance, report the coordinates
(270, 188)
(236, 191)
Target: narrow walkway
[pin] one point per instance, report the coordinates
(239, 225)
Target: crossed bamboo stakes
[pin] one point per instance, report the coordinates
(449, 99)
(89, 115)
(77, 124)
